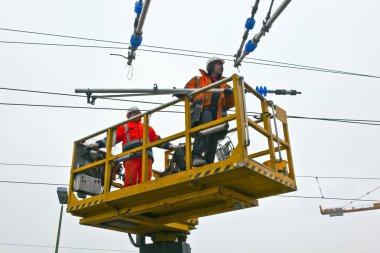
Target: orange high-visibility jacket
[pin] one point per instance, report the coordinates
(131, 136)
(204, 99)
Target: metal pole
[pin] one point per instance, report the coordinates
(160, 107)
(264, 29)
(147, 91)
(59, 230)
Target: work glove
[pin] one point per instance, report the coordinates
(93, 146)
(227, 91)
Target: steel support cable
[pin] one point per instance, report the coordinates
(192, 51)
(361, 196)
(281, 65)
(320, 188)
(268, 15)
(249, 24)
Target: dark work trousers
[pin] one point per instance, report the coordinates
(205, 144)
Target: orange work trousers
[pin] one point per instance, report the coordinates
(133, 171)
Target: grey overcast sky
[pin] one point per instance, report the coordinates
(340, 34)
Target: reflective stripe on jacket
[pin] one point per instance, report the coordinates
(131, 136)
(204, 99)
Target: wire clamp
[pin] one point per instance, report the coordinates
(88, 94)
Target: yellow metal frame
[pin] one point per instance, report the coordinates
(173, 204)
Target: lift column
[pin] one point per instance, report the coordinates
(166, 243)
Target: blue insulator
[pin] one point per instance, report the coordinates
(263, 91)
(249, 47)
(250, 23)
(138, 7)
(136, 42)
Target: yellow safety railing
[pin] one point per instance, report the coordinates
(244, 126)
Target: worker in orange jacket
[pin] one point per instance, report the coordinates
(131, 136)
(206, 107)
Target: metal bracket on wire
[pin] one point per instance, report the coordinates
(90, 99)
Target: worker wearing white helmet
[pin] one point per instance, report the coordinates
(206, 107)
(133, 111)
(131, 136)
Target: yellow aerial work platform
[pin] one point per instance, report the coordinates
(171, 205)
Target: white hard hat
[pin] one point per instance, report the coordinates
(212, 59)
(133, 109)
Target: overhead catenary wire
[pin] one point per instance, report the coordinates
(325, 198)
(341, 120)
(166, 48)
(35, 165)
(31, 183)
(280, 65)
(352, 121)
(182, 50)
(164, 111)
(301, 176)
(191, 55)
(342, 177)
(284, 196)
(361, 196)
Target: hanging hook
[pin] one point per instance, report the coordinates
(130, 72)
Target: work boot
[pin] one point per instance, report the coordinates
(198, 162)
